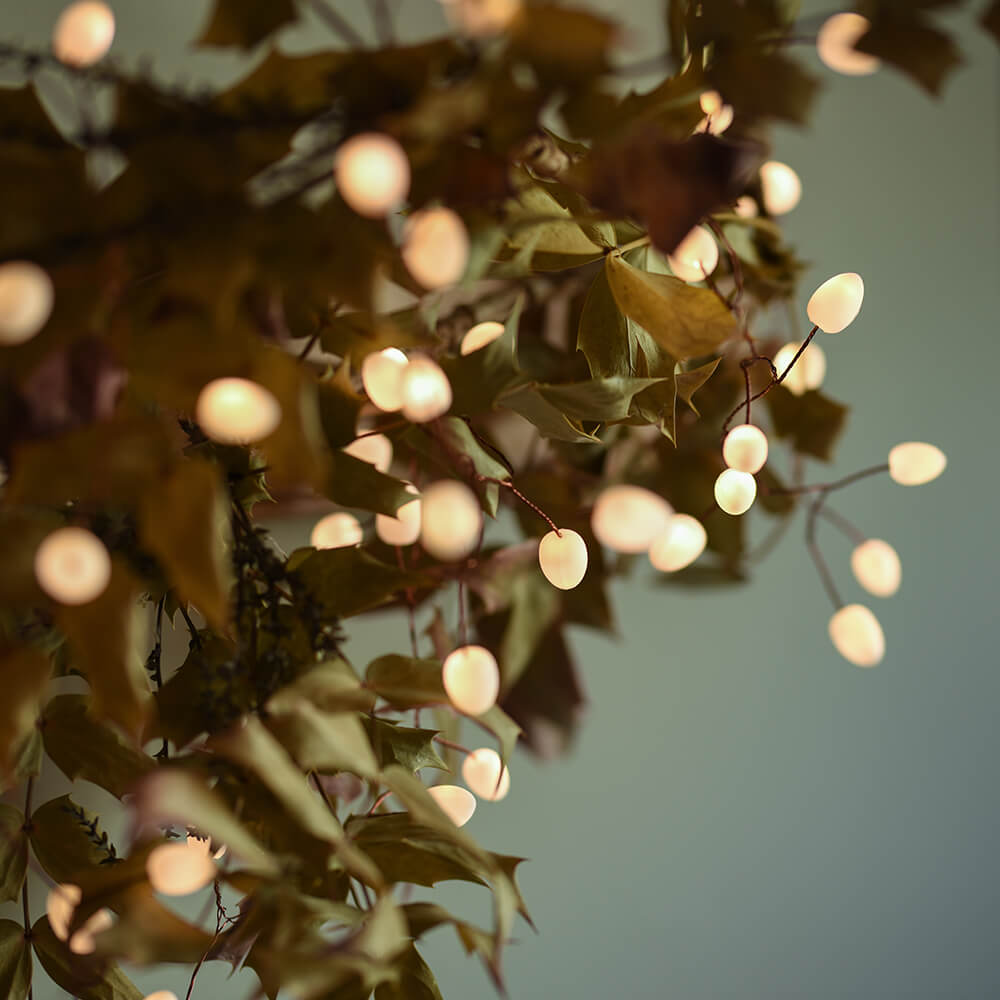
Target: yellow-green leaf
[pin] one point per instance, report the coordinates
(15, 961)
(13, 853)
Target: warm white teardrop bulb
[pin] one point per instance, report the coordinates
(425, 391)
(204, 844)
(456, 803)
(84, 940)
(483, 772)
(735, 491)
(83, 33)
(876, 567)
(471, 679)
(835, 45)
(237, 411)
(481, 18)
(404, 528)
(450, 520)
(718, 121)
(382, 376)
(161, 995)
(336, 531)
(178, 869)
(745, 448)
(375, 449)
(62, 900)
(372, 174)
(479, 336)
(746, 207)
(710, 101)
(563, 558)
(435, 247)
(858, 636)
(807, 373)
(696, 256)
(836, 303)
(26, 297)
(683, 541)
(629, 518)
(914, 463)
(72, 566)
(780, 186)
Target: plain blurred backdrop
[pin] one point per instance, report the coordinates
(745, 814)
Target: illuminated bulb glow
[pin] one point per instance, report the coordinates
(808, 372)
(161, 995)
(629, 518)
(237, 411)
(914, 463)
(857, 635)
(876, 567)
(746, 207)
(336, 531)
(178, 869)
(780, 186)
(404, 528)
(696, 256)
(481, 771)
(710, 101)
(481, 18)
(456, 803)
(84, 941)
(59, 906)
(471, 679)
(375, 449)
(835, 305)
(83, 33)
(745, 448)
(735, 491)
(683, 541)
(835, 45)
(450, 520)
(718, 121)
(72, 566)
(26, 297)
(435, 247)
(425, 391)
(382, 376)
(563, 558)
(479, 336)
(372, 174)
(205, 845)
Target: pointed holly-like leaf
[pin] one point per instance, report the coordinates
(353, 482)
(410, 748)
(812, 421)
(331, 686)
(690, 381)
(406, 682)
(13, 853)
(550, 421)
(904, 37)
(67, 839)
(245, 23)
(601, 399)
(416, 981)
(24, 675)
(765, 84)
(15, 961)
(322, 741)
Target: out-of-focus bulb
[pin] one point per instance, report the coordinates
(26, 297)
(404, 528)
(710, 101)
(696, 256)
(835, 45)
(204, 844)
(83, 33)
(858, 636)
(836, 303)
(62, 900)
(375, 449)
(84, 940)
(456, 803)
(481, 771)
(237, 411)
(683, 541)
(178, 869)
(780, 187)
(471, 679)
(450, 520)
(563, 558)
(914, 463)
(382, 377)
(735, 491)
(746, 207)
(629, 518)
(479, 336)
(336, 531)
(435, 247)
(425, 391)
(876, 567)
(745, 448)
(161, 995)
(372, 174)
(72, 566)
(809, 370)
(718, 121)
(481, 18)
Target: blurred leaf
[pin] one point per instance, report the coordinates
(406, 682)
(339, 406)
(563, 44)
(550, 421)
(67, 839)
(244, 23)
(13, 854)
(991, 19)
(904, 37)
(764, 84)
(15, 961)
(24, 676)
(771, 495)
(812, 422)
(416, 980)
(331, 687)
(353, 482)
(410, 748)
(322, 741)
(536, 218)
(503, 727)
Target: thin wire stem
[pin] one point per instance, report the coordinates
(378, 802)
(847, 528)
(336, 23)
(507, 484)
(452, 746)
(825, 576)
(838, 484)
(26, 909)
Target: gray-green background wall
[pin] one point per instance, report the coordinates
(745, 814)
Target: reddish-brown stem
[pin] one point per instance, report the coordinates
(838, 484)
(451, 745)
(847, 528)
(378, 802)
(24, 886)
(506, 483)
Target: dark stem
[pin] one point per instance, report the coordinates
(462, 628)
(451, 745)
(825, 576)
(336, 23)
(507, 484)
(195, 638)
(24, 886)
(838, 484)
(855, 534)
(382, 16)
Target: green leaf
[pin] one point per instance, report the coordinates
(405, 681)
(602, 334)
(765, 84)
(812, 421)
(322, 741)
(549, 235)
(245, 23)
(13, 853)
(685, 321)
(67, 839)
(356, 483)
(410, 748)
(184, 522)
(82, 747)
(601, 399)
(15, 961)
(909, 41)
(503, 727)
(550, 421)
(339, 407)
(416, 981)
(690, 381)
(331, 687)
(24, 676)
(563, 45)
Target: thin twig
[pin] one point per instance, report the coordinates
(451, 746)
(382, 16)
(24, 885)
(847, 528)
(507, 484)
(837, 484)
(336, 23)
(378, 802)
(825, 576)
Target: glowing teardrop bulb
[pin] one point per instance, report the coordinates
(84, 940)
(718, 121)
(237, 411)
(382, 376)
(746, 207)
(683, 541)
(83, 33)
(481, 18)
(404, 528)
(372, 174)
(807, 373)
(481, 771)
(375, 449)
(62, 900)
(745, 448)
(450, 520)
(563, 558)
(696, 256)
(456, 803)
(735, 491)
(479, 336)
(336, 531)
(471, 679)
(836, 303)
(835, 45)
(629, 518)
(780, 186)
(710, 101)
(876, 567)
(435, 247)
(161, 995)
(72, 566)
(914, 463)
(178, 869)
(425, 391)
(26, 297)
(857, 635)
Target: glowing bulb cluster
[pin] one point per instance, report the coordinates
(876, 567)
(735, 491)
(479, 336)
(484, 773)
(745, 448)
(481, 18)
(808, 372)
(372, 174)
(178, 869)
(718, 115)
(471, 679)
(455, 802)
(835, 45)
(60, 905)
(696, 256)
(914, 463)
(72, 566)
(450, 520)
(746, 207)
(424, 391)
(857, 635)
(83, 33)
(435, 247)
(26, 297)
(404, 528)
(237, 411)
(382, 376)
(375, 449)
(629, 518)
(835, 305)
(336, 531)
(781, 189)
(683, 541)
(562, 557)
